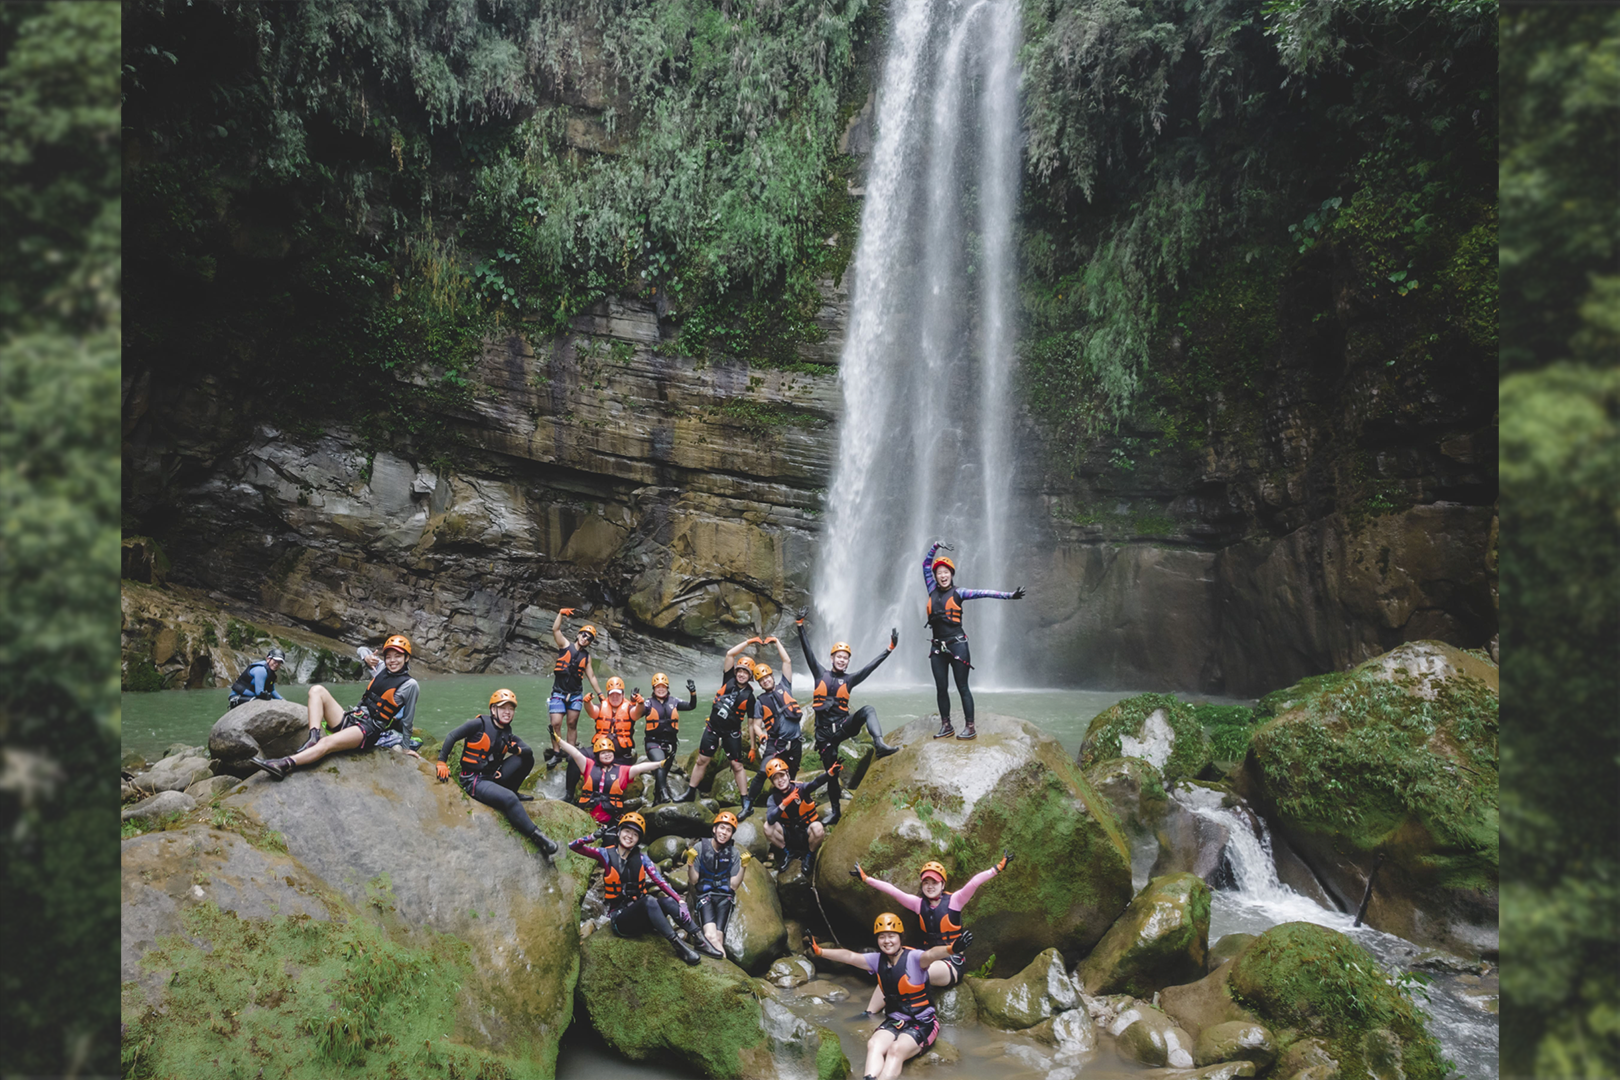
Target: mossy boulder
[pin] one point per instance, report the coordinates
(1235, 1040)
(1039, 992)
(964, 803)
(1134, 790)
(1227, 947)
(1395, 759)
(1205, 1003)
(756, 934)
(1161, 939)
(1158, 728)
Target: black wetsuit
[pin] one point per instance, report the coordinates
(834, 723)
(723, 730)
(493, 763)
(948, 651)
(780, 716)
(661, 736)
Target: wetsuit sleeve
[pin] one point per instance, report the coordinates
(456, 736)
(658, 879)
(965, 893)
(260, 675)
(583, 847)
(855, 679)
(406, 717)
(773, 809)
(910, 902)
(806, 789)
(928, 567)
(691, 702)
(983, 594)
(809, 658)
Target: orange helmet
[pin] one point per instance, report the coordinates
(943, 561)
(635, 821)
(660, 679)
(838, 647)
(615, 683)
(774, 766)
(588, 629)
(762, 671)
(400, 642)
(888, 923)
(746, 663)
(726, 817)
(933, 868)
(602, 742)
(503, 697)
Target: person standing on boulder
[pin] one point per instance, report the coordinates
(494, 762)
(723, 730)
(602, 782)
(948, 652)
(715, 868)
(616, 716)
(834, 723)
(792, 822)
(567, 686)
(777, 733)
(383, 718)
(662, 733)
(258, 680)
(629, 878)
(911, 1024)
(940, 913)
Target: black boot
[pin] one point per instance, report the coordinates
(690, 796)
(548, 847)
(945, 730)
(524, 796)
(684, 951)
(314, 737)
(701, 941)
(278, 768)
(968, 732)
(883, 749)
(747, 808)
(835, 807)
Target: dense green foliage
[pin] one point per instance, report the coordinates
(330, 191)
(1560, 555)
(59, 342)
(1187, 159)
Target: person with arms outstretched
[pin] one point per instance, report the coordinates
(834, 723)
(662, 733)
(638, 897)
(723, 730)
(948, 652)
(494, 761)
(602, 782)
(792, 822)
(777, 733)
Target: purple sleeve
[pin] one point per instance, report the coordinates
(658, 878)
(983, 594)
(965, 893)
(912, 903)
(580, 847)
(914, 967)
(928, 567)
(871, 961)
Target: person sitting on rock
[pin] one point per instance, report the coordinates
(383, 718)
(258, 680)
(494, 761)
(948, 652)
(834, 723)
(910, 1025)
(777, 732)
(940, 912)
(572, 668)
(715, 868)
(602, 782)
(662, 733)
(628, 877)
(723, 730)
(791, 819)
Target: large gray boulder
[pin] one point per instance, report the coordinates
(175, 773)
(964, 803)
(256, 729)
(1039, 992)
(159, 806)
(756, 934)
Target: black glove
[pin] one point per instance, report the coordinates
(894, 636)
(1018, 593)
(691, 687)
(943, 546)
(963, 940)
(1006, 857)
(858, 872)
(804, 613)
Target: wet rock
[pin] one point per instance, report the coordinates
(957, 1005)
(1205, 1003)
(790, 971)
(1230, 1070)
(256, 729)
(941, 1053)
(159, 806)
(1190, 843)
(963, 804)
(132, 761)
(1143, 1033)
(172, 774)
(692, 820)
(1072, 1032)
(205, 790)
(1041, 990)
(1134, 790)
(797, 895)
(799, 1048)
(750, 836)
(1226, 948)
(1158, 728)
(824, 989)
(1235, 1040)
(670, 847)
(756, 935)
(1307, 1059)
(1160, 940)
(181, 749)
(1381, 1054)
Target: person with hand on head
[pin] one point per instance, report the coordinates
(834, 723)
(662, 733)
(602, 781)
(778, 732)
(792, 821)
(910, 1024)
(637, 895)
(714, 868)
(573, 667)
(258, 680)
(382, 719)
(494, 761)
(948, 652)
(723, 730)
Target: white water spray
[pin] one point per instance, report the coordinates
(925, 448)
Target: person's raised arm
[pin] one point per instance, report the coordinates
(787, 661)
(965, 893)
(638, 705)
(860, 676)
(645, 767)
(990, 594)
(556, 627)
(590, 673)
(733, 652)
(909, 901)
(804, 646)
(945, 952)
(691, 702)
(837, 955)
(928, 564)
(582, 846)
(574, 752)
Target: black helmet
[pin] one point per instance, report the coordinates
(276, 654)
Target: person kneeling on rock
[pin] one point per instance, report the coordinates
(628, 878)
(940, 913)
(603, 782)
(791, 819)
(715, 868)
(258, 680)
(493, 763)
(383, 718)
(911, 1025)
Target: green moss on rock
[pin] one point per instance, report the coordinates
(1112, 731)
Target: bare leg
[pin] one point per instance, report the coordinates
(875, 1005)
(323, 706)
(877, 1051)
(573, 726)
(904, 1047)
(697, 771)
(773, 833)
(739, 774)
(717, 939)
(939, 973)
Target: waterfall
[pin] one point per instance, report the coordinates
(925, 444)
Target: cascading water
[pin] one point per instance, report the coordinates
(925, 447)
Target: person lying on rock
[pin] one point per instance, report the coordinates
(948, 652)
(494, 762)
(629, 878)
(662, 734)
(940, 912)
(834, 723)
(723, 730)
(791, 819)
(602, 782)
(910, 1025)
(714, 868)
(777, 733)
(567, 685)
(383, 718)
(258, 680)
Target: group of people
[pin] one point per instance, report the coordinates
(494, 762)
